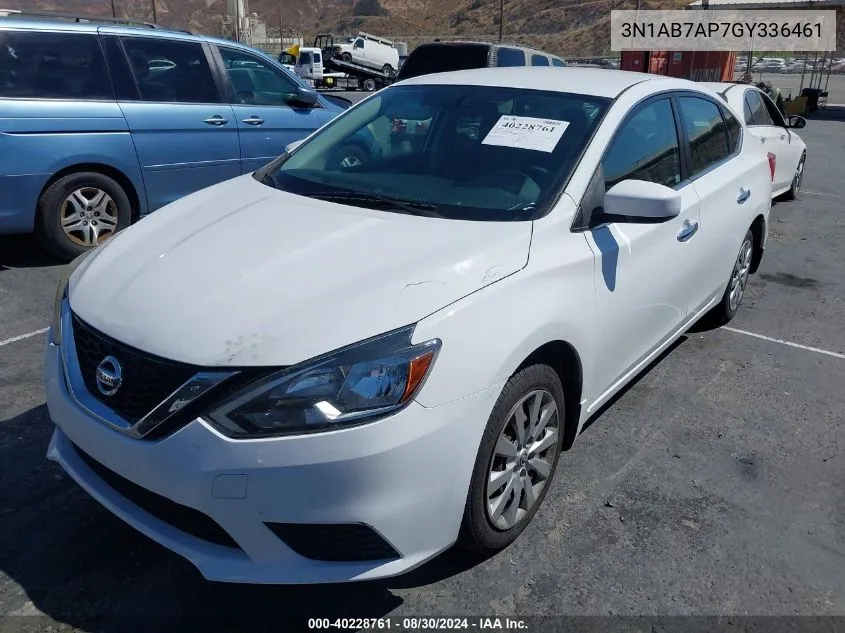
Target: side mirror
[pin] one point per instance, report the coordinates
(642, 201)
(303, 96)
(796, 122)
(292, 146)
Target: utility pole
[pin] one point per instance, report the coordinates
(155, 12)
(113, 12)
(501, 17)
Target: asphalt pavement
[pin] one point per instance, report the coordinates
(712, 486)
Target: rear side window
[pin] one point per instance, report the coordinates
(759, 113)
(317, 58)
(510, 57)
(305, 58)
(37, 65)
(558, 62)
(170, 71)
(441, 58)
(734, 131)
(539, 60)
(707, 132)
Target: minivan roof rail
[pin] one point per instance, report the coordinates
(75, 17)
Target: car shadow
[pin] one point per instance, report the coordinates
(81, 566)
(23, 251)
(827, 113)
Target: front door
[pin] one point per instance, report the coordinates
(643, 271)
(185, 138)
(267, 117)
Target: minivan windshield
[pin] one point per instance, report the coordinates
(459, 152)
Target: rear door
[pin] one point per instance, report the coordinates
(185, 137)
(266, 115)
(775, 137)
(727, 186)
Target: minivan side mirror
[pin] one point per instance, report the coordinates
(302, 96)
(796, 122)
(640, 201)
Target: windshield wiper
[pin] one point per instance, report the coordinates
(411, 207)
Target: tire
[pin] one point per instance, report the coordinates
(792, 194)
(387, 70)
(369, 85)
(491, 529)
(346, 157)
(346, 57)
(727, 308)
(72, 201)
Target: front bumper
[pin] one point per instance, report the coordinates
(406, 477)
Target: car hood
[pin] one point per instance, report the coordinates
(241, 274)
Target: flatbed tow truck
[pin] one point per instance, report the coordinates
(347, 75)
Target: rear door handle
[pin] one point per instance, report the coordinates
(253, 120)
(688, 231)
(216, 120)
(744, 194)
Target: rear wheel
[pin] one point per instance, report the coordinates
(369, 85)
(516, 460)
(346, 57)
(387, 70)
(727, 308)
(80, 211)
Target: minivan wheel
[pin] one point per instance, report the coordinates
(80, 211)
(516, 460)
(727, 308)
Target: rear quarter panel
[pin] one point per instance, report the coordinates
(42, 137)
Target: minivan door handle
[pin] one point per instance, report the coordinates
(253, 120)
(216, 120)
(744, 194)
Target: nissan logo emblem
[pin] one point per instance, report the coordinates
(109, 376)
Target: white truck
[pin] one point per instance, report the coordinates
(370, 51)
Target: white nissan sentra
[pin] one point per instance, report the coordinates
(334, 370)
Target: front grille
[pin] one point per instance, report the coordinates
(181, 517)
(147, 379)
(341, 542)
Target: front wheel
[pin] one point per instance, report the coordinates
(387, 70)
(796, 179)
(727, 308)
(516, 460)
(80, 211)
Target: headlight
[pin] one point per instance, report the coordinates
(355, 385)
(61, 293)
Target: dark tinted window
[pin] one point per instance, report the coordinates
(509, 57)
(170, 71)
(775, 115)
(645, 148)
(734, 130)
(444, 57)
(706, 130)
(317, 58)
(558, 62)
(539, 60)
(759, 113)
(124, 85)
(305, 58)
(255, 81)
(53, 66)
(747, 113)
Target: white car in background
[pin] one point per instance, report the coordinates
(766, 122)
(323, 373)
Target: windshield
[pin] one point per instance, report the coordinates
(458, 152)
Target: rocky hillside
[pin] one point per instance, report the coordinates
(568, 27)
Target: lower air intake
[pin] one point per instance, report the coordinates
(341, 542)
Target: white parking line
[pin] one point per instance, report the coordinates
(818, 193)
(787, 343)
(15, 339)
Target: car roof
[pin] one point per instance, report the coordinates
(596, 82)
(60, 24)
(722, 86)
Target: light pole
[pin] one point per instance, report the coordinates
(113, 12)
(155, 13)
(501, 17)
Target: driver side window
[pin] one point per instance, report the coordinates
(255, 82)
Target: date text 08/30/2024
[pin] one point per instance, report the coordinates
(418, 624)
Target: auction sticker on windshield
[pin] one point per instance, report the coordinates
(525, 132)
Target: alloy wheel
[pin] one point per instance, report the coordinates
(739, 277)
(89, 216)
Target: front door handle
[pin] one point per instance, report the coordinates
(688, 231)
(216, 120)
(744, 194)
(253, 120)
